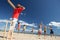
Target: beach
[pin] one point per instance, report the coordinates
(22, 36)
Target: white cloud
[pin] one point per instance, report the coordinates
(25, 23)
(4, 20)
(22, 23)
(56, 24)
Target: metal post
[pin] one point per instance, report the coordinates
(4, 34)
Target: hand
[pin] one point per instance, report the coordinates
(24, 8)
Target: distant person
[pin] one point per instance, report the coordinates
(18, 28)
(17, 11)
(45, 28)
(51, 31)
(24, 28)
(32, 30)
(40, 31)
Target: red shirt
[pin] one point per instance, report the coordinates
(16, 12)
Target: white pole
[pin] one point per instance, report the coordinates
(4, 34)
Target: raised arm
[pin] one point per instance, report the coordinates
(23, 7)
(11, 4)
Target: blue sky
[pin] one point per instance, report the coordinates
(36, 11)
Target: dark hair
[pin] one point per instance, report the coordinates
(17, 6)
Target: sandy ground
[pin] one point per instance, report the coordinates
(22, 36)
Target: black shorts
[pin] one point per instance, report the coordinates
(51, 32)
(44, 32)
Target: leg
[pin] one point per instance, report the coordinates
(18, 30)
(12, 26)
(44, 34)
(38, 34)
(23, 30)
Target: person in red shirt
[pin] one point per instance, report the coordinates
(17, 11)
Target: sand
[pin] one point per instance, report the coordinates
(22, 36)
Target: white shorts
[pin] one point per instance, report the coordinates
(13, 23)
(40, 30)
